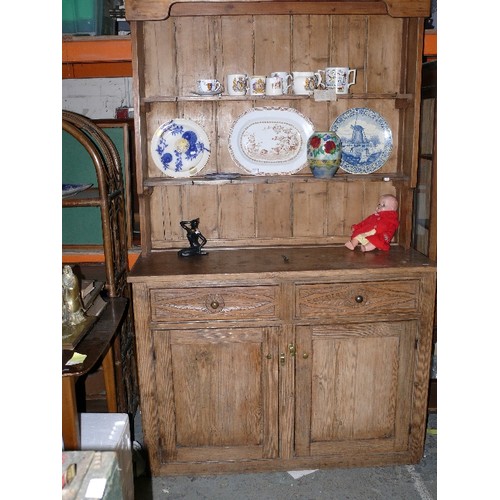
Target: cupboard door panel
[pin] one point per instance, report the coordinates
(225, 404)
(355, 387)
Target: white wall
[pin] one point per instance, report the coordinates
(97, 98)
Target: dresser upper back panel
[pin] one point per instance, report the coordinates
(171, 54)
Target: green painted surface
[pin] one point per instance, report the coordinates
(82, 225)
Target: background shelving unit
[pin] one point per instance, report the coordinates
(111, 56)
(109, 197)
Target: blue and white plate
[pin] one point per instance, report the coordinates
(180, 148)
(366, 140)
(71, 189)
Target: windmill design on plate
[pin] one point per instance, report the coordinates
(359, 145)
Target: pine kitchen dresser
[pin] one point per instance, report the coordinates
(280, 349)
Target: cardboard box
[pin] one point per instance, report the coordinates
(110, 432)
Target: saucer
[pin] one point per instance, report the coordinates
(208, 93)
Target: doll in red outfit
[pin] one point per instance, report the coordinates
(377, 230)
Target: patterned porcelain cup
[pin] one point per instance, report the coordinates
(207, 85)
(257, 85)
(339, 78)
(305, 82)
(237, 84)
(286, 80)
(274, 85)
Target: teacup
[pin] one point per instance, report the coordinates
(208, 86)
(257, 85)
(305, 82)
(274, 85)
(339, 78)
(286, 80)
(237, 84)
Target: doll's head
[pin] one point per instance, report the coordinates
(387, 202)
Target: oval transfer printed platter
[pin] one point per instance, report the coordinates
(269, 140)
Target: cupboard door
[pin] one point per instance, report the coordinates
(217, 394)
(354, 388)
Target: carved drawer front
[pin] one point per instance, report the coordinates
(324, 300)
(204, 304)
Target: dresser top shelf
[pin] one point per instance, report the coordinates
(156, 10)
(269, 262)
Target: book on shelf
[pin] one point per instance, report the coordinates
(97, 306)
(90, 290)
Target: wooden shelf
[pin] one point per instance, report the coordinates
(96, 56)
(111, 56)
(272, 179)
(430, 43)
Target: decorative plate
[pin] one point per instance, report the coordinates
(70, 189)
(366, 140)
(270, 140)
(180, 148)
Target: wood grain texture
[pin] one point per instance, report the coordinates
(260, 44)
(215, 303)
(253, 361)
(342, 299)
(208, 417)
(358, 392)
(258, 356)
(156, 10)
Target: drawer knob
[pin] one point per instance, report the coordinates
(214, 303)
(359, 299)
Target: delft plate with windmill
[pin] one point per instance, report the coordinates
(366, 140)
(180, 148)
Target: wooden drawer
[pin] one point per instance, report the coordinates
(203, 304)
(334, 299)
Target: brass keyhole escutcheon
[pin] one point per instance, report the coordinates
(292, 349)
(282, 358)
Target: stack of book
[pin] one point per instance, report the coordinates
(93, 303)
